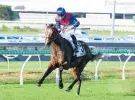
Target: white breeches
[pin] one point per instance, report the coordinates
(67, 35)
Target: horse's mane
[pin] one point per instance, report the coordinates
(58, 38)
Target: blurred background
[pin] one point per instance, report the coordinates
(102, 17)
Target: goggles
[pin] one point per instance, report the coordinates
(60, 15)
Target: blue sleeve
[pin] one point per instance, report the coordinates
(57, 23)
(74, 21)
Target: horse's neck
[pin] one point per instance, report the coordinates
(57, 40)
(55, 46)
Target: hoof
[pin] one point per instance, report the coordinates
(77, 94)
(61, 86)
(38, 85)
(68, 89)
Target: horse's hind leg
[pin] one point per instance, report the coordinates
(60, 80)
(77, 77)
(76, 73)
(48, 71)
(81, 67)
(79, 86)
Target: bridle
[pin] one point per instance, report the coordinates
(54, 34)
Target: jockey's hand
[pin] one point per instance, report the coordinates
(59, 30)
(67, 29)
(64, 30)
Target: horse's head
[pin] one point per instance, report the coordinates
(51, 34)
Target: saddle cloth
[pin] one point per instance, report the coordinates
(81, 49)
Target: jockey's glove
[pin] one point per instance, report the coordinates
(59, 30)
(68, 29)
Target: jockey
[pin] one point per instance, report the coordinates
(67, 23)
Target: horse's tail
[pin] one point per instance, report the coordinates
(96, 56)
(92, 56)
(89, 53)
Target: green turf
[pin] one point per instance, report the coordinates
(90, 90)
(108, 87)
(32, 71)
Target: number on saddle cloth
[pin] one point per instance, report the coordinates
(81, 50)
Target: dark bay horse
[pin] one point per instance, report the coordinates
(65, 59)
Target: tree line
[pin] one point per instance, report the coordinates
(6, 13)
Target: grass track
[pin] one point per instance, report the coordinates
(91, 90)
(108, 87)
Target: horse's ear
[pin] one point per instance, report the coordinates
(46, 25)
(50, 25)
(53, 25)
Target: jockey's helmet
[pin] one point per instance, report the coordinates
(61, 11)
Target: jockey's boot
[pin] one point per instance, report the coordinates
(76, 48)
(75, 43)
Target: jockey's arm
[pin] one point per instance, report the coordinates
(74, 23)
(69, 28)
(57, 24)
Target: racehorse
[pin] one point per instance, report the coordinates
(65, 59)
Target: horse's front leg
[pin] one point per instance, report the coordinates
(60, 78)
(48, 71)
(77, 78)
